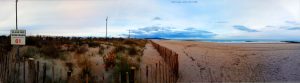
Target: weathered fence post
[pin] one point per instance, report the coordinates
(141, 75)
(103, 79)
(69, 73)
(164, 73)
(8, 69)
(146, 73)
(155, 72)
(37, 71)
(60, 76)
(24, 70)
(127, 77)
(15, 72)
(53, 74)
(167, 74)
(31, 71)
(44, 72)
(86, 78)
(132, 75)
(160, 77)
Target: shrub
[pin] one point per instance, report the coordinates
(81, 50)
(133, 51)
(72, 48)
(70, 65)
(130, 42)
(120, 48)
(86, 64)
(30, 52)
(138, 59)
(5, 46)
(50, 51)
(101, 50)
(93, 44)
(109, 60)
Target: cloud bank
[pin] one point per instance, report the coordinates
(170, 32)
(244, 28)
(157, 18)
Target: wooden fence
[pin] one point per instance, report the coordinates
(170, 57)
(29, 71)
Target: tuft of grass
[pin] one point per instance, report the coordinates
(138, 59)
(30, 52)
(101, 50)
(132, 51)
(109, 60)
(69, 65)
(120, 48)
(93, 44)
(130, 42)
(81, 50)
(50, 51)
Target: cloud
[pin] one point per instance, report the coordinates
(292, 22)
(244, 28)
(170, 32)
(291, 28)
(157, 18)
(221, 22)
(294, 28)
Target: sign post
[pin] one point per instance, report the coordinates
(18, 37)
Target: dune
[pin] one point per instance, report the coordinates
(247, 62)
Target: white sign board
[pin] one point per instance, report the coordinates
(18, 37)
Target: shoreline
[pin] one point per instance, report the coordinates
(238, 41)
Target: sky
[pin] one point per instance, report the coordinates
(191, 19)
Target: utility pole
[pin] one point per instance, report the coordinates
(17, 56)
(17, 14)
(106, 28)
(129, 34)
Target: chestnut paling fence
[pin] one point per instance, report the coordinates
(29, 71)
(170, 57)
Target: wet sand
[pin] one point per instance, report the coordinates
(219, 62)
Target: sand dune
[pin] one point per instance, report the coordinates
(216, 62)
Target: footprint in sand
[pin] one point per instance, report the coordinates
(236, 61)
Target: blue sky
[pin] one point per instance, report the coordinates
(217, 19)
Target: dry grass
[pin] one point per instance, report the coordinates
(73, 53)
(50, 51)
(82, 50)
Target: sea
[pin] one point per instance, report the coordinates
(241, 40)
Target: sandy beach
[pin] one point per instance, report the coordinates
(219, 62)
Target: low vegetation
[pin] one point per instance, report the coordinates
(74, 53)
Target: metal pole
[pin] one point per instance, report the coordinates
(129, 34)
(17, 14)
(17, 57)
(106, 28)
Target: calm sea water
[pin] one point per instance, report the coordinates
(239, 40)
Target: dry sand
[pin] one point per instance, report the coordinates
(217, 62)
(150, 58)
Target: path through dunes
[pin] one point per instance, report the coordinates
(215, 62)
(156, 74)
